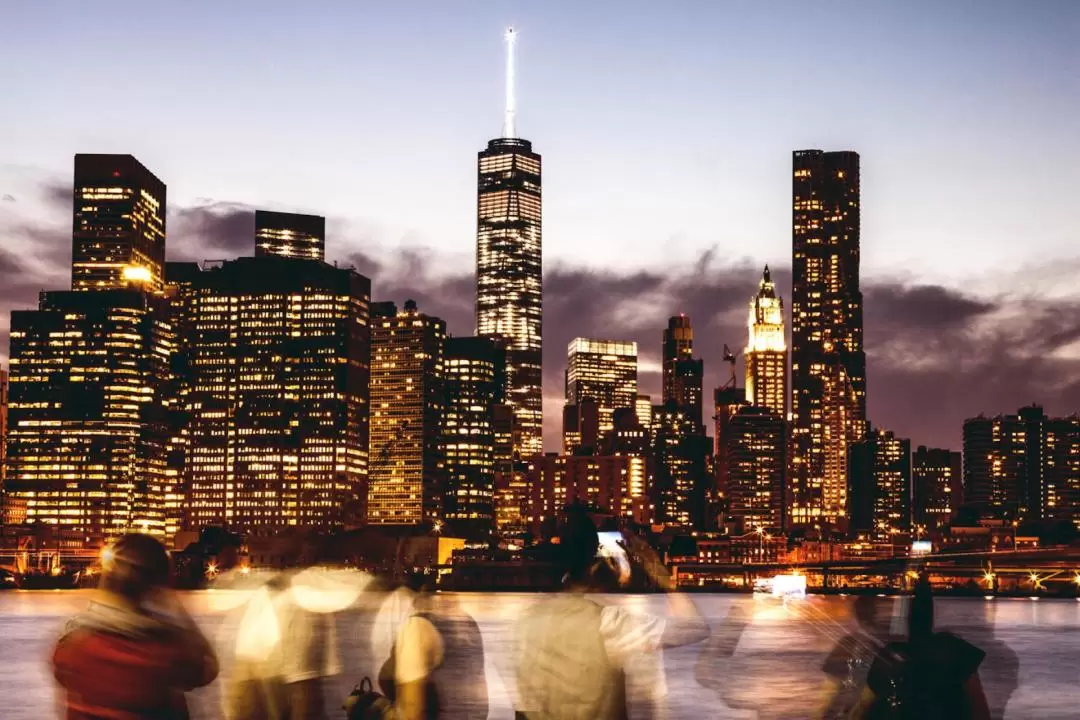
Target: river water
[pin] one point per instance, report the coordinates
(764, 659)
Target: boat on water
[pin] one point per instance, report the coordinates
(785, 587)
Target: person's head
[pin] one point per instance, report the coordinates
(921, 611)
(137, 565)
(578, 543)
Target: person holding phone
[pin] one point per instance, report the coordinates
(578, 658)
(134, 651)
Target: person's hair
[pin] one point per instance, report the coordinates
(921, 611)
(578, 543)
(138, 565)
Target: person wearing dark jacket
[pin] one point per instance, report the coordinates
(931, 675)
(134, 651)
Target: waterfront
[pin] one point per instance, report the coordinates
(774, 671)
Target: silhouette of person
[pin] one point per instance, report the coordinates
(716, 668)
(848, 663)
(1000, 671)
(930, 675)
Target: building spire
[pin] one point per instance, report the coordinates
(765, 276)
(509, 131)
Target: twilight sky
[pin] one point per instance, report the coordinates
(666, 131)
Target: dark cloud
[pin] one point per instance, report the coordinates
(8, 198)
(211, 231)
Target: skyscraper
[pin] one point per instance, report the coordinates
(277, 358)
(766, 350)
(290, 235)
(682, 371)
(118, 228)
(473, 388)
(680, 481)
(509, 277)
(604, 371)
(581, 427)
(755, 456)
(407, 400)
(880, 493)
(937, 489)
(1024, 466)
(828, 365)
(87, 411)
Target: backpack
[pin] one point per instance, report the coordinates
(564, 672)
(364, 703)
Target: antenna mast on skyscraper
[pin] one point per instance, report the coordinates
(509, 130)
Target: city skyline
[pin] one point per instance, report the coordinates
(912, 359)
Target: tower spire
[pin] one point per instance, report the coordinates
(509, 131)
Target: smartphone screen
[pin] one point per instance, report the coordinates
(610, 548)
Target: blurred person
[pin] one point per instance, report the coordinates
(574, 656)
(717, 667)
(285, 647)
(848, 663)
(931, 675)
(134, 651)
(435, 667)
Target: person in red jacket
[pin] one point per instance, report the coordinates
(134, 651)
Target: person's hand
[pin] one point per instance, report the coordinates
(648, 559)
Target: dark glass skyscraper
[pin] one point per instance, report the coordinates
(290, 235)
(118, 228)
(682, 371)
(755, 457)
(473, 389)
(828, 365)
(509, 271)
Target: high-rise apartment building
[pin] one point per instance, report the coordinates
(604, 371)
(880, 493)
(473, 387)
(755, 458)
(643, 409)
(89, 379)
(766, 350)
(683, 373)
(828, 364)
(680, 480)
(118, 228)
(276, 355)
(407, 474)
(290, 235)
(1024, 466)
(509, 273)
(937, 488)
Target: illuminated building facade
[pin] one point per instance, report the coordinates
(3, 426)
(643, 409)
(755, 456)
(766, 351)
(828, 364)
(604, 371)
(89, 375)
(473, 386)
(680, 480)
(118, 229)
(615, 485)
(683, 372)
(726, 402)
(276, 394)
(937, 490)
(509, 289)
(290, 235)
(407, 474)
(1023, 466)
(581, 427)
(880, 493)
